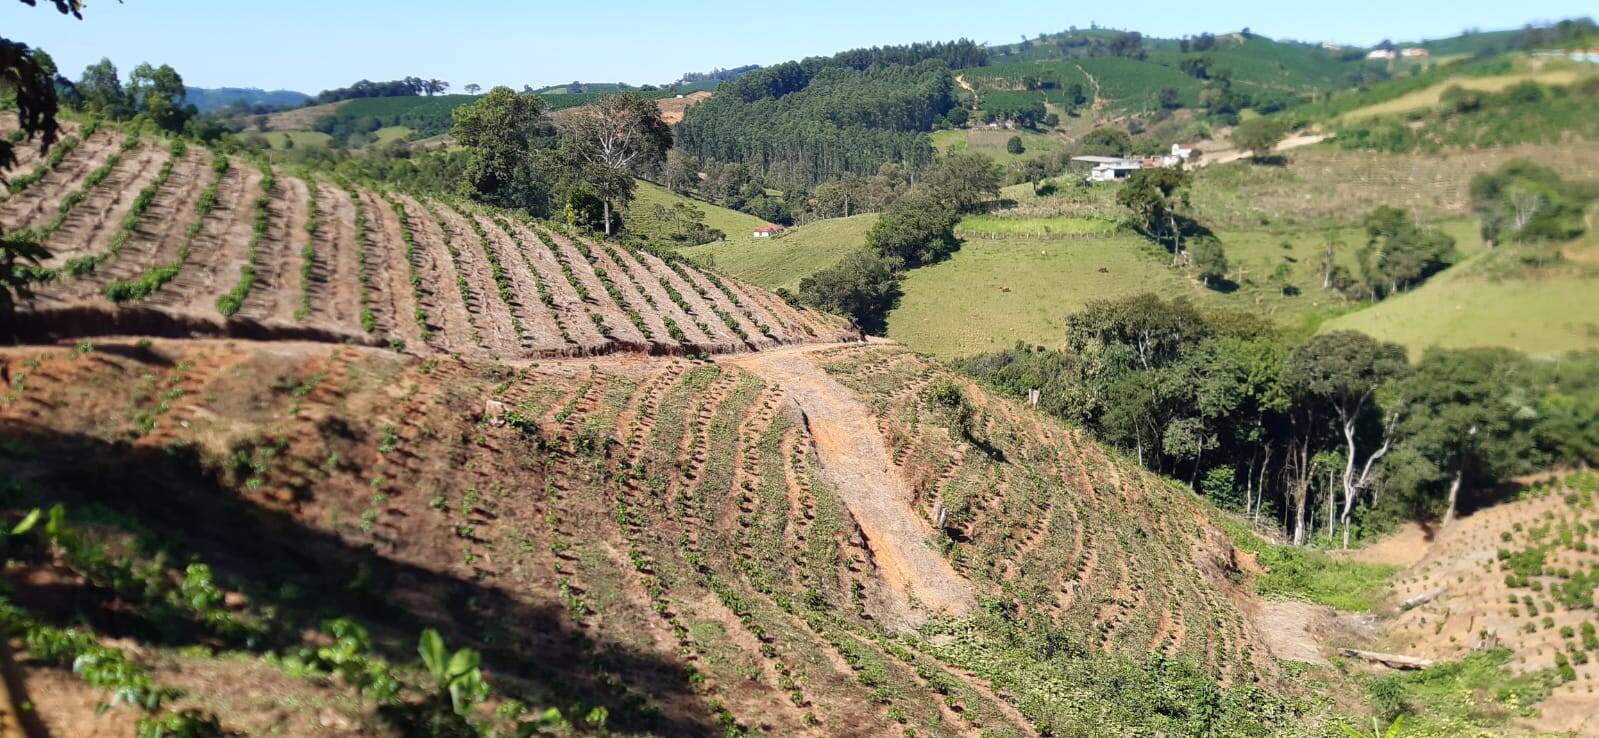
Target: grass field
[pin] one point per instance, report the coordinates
(1427, 98)
(301, 139)
(735, 224)
(785, 260)
(991, 141)
(1543, 316)
(989, 226)
(993, 293)
(389, 134)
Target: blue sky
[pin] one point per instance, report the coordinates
(310, 45)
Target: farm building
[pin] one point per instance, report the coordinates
(1110, 168)
(1376, 54)
(1413, 53)
(767, 231)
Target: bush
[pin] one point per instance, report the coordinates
(864, 285)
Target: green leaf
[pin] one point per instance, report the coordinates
(27, 523)
(1393, 730)
(463, 661)
(431, 648)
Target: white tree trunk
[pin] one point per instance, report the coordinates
(1454, 496)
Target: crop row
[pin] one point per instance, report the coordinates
(85, 265)
(411, 256)
(230, 302)
(156, 277)
(58, 153)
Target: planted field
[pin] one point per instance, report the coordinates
(151, 238)
(1427, 98)
(1520, 576)
(662, 547)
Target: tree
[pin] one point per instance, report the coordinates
(101, 90)
(1168, 98)
(1461, 413)
(1210, 259)
(1341, 372)
(435, 87)
(1523, 201)
(1259, 136)
(1399, 253)
(159, 93)
(472, 88)
(1105, 142)
(508, 139)
(680, 173)
(27, 77)
(614, 139)
(915, 231)
(1155, 196)
(964, 181)
(864, 285)
(1014, 145)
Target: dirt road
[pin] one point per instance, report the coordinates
(1287, 144)
(854, 462)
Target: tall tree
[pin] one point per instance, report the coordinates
(614, 139)
(28, 78)
(508, 140)
(1156, 197)
(1341, 372)
(158, 92)
(1461, 414)
(101, 90)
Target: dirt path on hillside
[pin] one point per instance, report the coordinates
(853, 460)
(1287, 144)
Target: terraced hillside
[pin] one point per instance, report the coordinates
(1521, 575)
(150, 236)
(823, 541)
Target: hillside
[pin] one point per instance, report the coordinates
(782, 261)
(684, 544)
(1521, 577)
(208, 99)
(168, 239)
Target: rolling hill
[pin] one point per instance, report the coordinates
(798, 535)
(169, 239)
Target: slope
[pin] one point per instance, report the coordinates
(655, 546)
(155, 237)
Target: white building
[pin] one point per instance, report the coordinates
(767, 231)
(1380, 54)
(1110, 168)
(1413, 53)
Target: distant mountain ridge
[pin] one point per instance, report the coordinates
(214, 98)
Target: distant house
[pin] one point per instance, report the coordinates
(767, 231)
(1413, 53)
(1376, 54)
(1110, 168)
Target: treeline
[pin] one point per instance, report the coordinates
(1333, 437)
(716, 75)
(408, 87)
(797, 129)
(801, 123)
